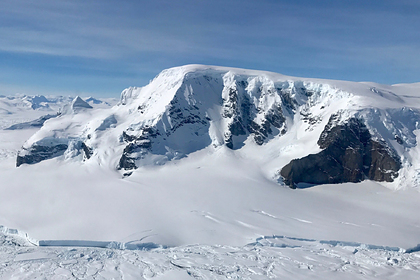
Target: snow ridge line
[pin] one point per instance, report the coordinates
(147, 246)
(264, 241)
(15, 232)
(101, 244)
(293, 242)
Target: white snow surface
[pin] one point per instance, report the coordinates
(275, 257)
(195, 209)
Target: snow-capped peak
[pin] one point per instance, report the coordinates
(256, 113)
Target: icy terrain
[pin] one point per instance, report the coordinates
(267, 258)
(23, 109)
(340, 131)
(182, 179)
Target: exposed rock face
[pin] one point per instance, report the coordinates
(274, 117)
(181, 116)
(236, 113)
(127, 160)
(38, 153)
(246, 110)
(247, 114)
(137, 146)
(88, 152)
(349, 155)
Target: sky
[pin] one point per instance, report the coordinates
(98, 48)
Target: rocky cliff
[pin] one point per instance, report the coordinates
(349, 154)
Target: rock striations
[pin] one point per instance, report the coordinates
(352, 131)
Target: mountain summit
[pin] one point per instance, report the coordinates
(297, 130)
(79, 103)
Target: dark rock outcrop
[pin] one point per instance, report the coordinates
(232, 109)
(128, 162)
(349, 155)
(243, 115)
(137, 146)
(38, 153)
(88, 152)
(273, 118)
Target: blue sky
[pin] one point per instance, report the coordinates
(92, 47)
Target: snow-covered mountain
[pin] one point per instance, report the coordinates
(299, 131)
(208, 150)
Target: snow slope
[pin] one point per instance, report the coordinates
(205, 191)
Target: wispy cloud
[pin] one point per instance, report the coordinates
(139, 38)
(75, 30)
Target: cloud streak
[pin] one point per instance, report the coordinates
(302, 37)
